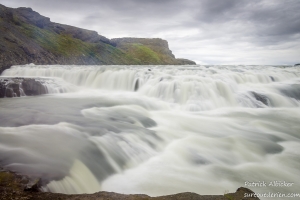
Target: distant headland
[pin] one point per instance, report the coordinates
(28, 37)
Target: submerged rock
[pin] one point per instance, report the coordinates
(262, 98)
(137, 85)
(292, 91)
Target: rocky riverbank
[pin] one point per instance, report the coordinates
(13, 187)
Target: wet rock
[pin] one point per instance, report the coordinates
(9, 88)
(136, 86)
(2, 89)
(148, 122)
(33, 87)
(13, 87)
(292, 91)
(33, 185)
(262, 98)
(9, 93)
(12, 187)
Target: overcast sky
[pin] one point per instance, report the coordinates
(206, 31)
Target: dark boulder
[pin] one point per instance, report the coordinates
(33, 87)
(2, 88)
(9, 88)
(33, 185)
(9, 93)
(15, 87)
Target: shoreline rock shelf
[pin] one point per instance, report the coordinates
(13, 186)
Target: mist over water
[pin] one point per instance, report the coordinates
(155, 130)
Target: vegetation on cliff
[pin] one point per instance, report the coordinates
(28, 37)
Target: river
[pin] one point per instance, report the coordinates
(155, 130)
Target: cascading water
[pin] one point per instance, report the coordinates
(155, 129)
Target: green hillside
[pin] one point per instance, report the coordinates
(28, 37)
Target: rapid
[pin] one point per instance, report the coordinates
(155, 130)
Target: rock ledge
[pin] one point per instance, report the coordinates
(14, 186)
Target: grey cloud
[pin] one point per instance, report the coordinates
(214, 11)
(266, 18)
(199, 27)
(277, 18)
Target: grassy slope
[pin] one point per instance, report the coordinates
(66, 46)
(148, 53)
(143, 53)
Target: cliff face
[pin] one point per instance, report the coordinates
(147, 51)
(28, 37)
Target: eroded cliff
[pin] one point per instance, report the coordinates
(28, 37)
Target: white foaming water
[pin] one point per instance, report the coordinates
(193, 88)
(155, 129)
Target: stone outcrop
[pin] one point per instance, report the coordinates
(31, 17)
(28, 37)
(33, 87)
(16, 87)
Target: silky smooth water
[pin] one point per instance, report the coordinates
(155, 130)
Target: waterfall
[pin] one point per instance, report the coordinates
(155, 130)
(193, 88)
